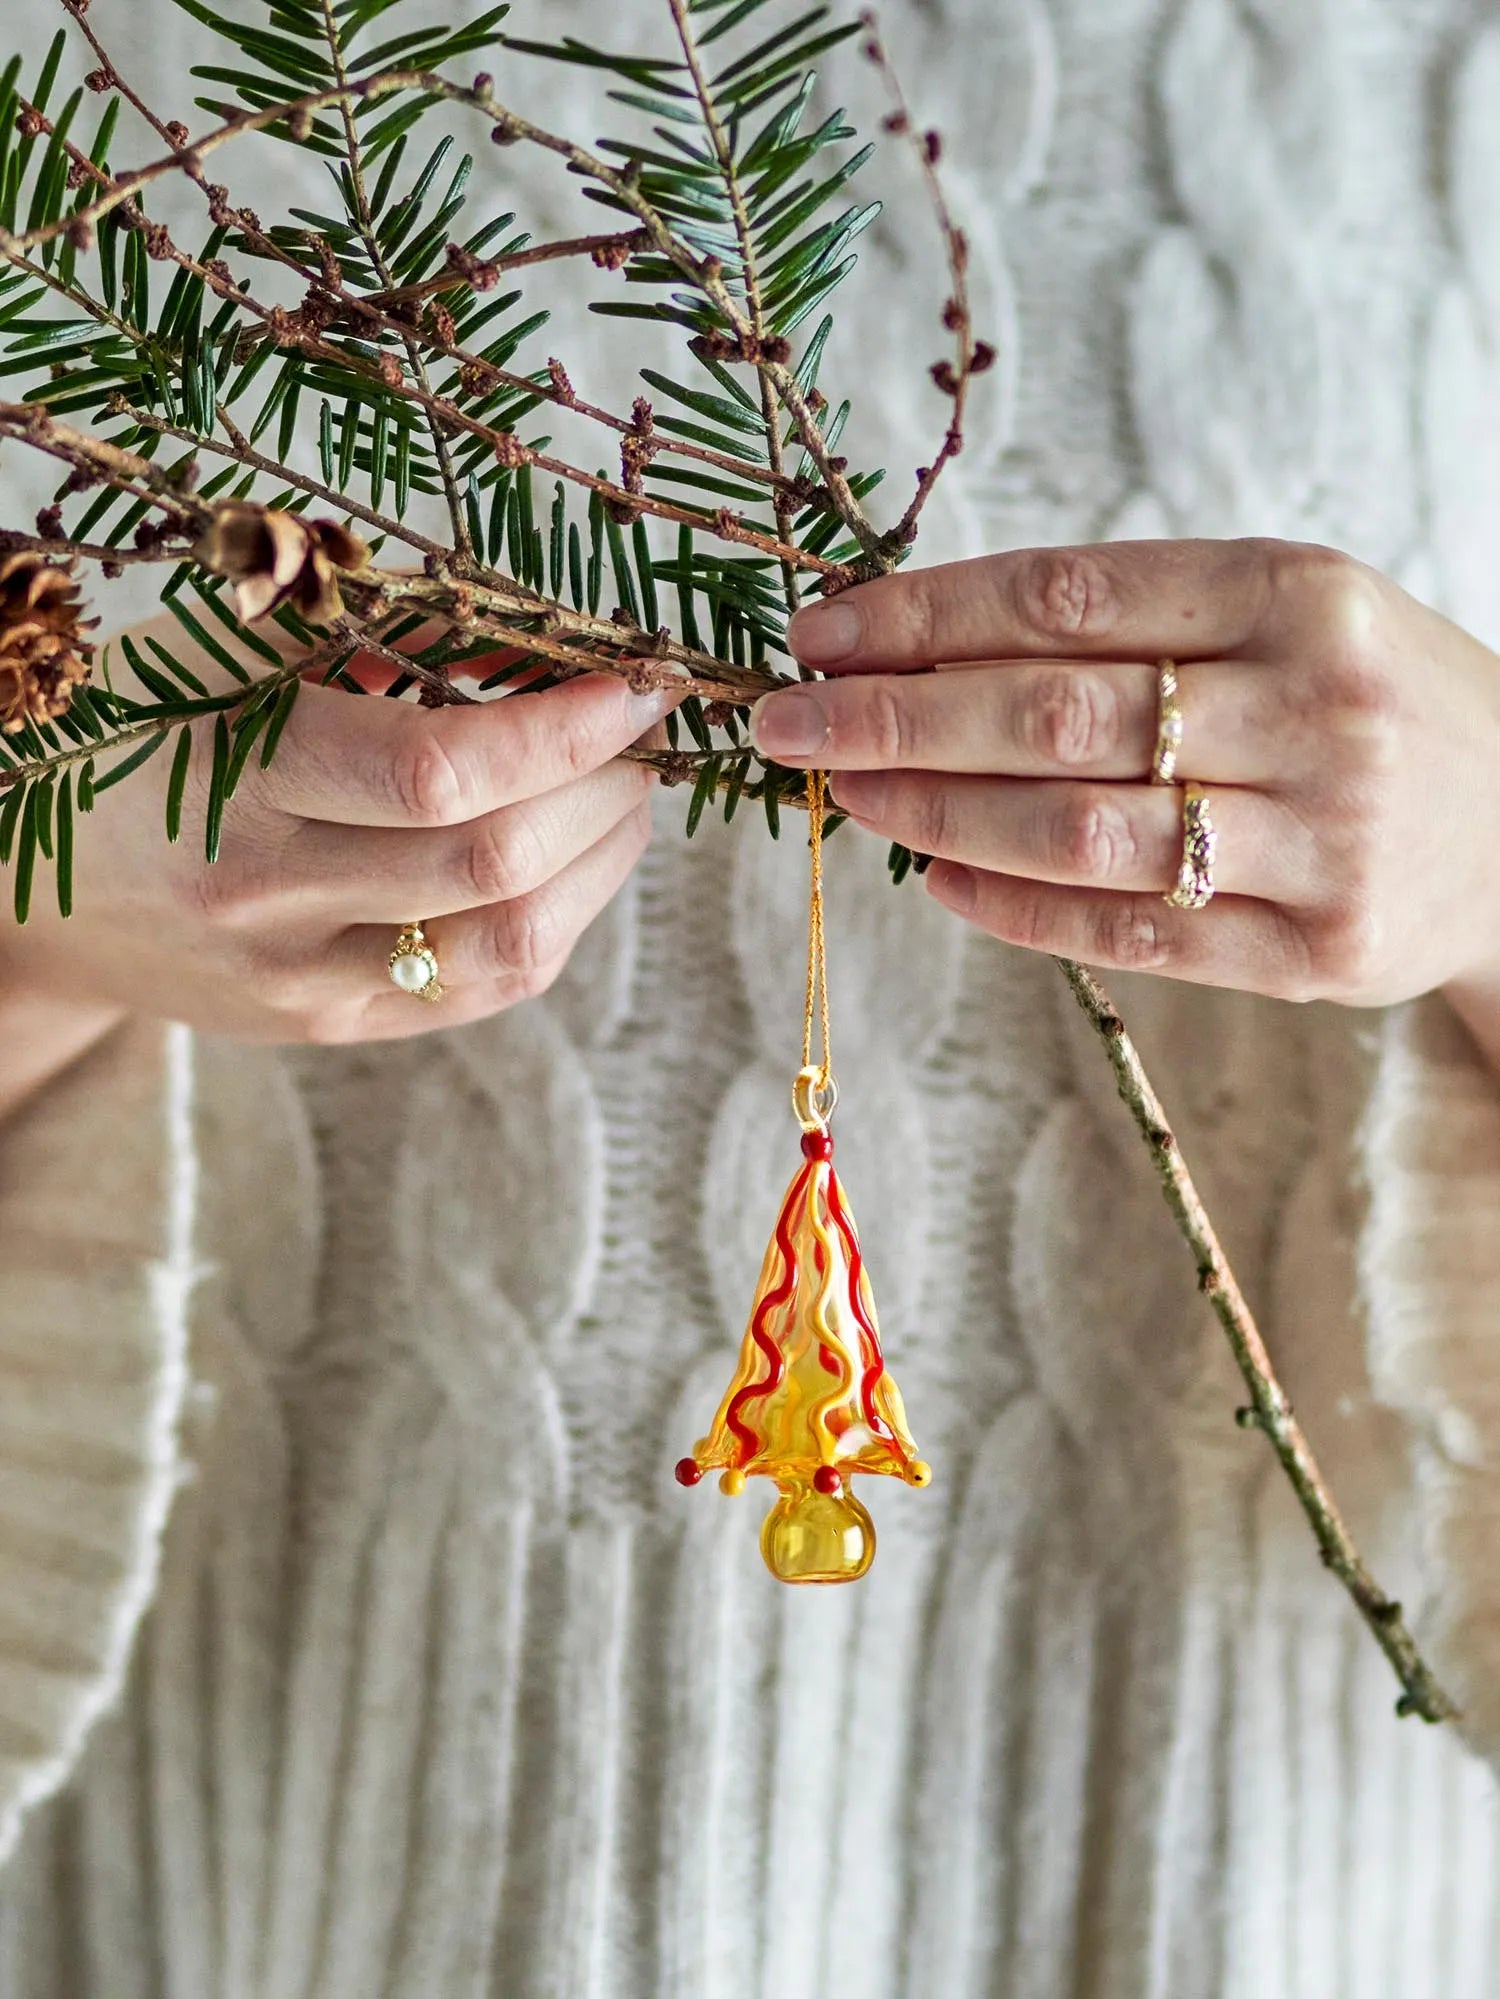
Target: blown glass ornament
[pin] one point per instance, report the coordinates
(812, 1401)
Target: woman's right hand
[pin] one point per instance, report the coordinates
(503, 827)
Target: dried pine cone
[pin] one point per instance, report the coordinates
(43, 652)
(273, 558)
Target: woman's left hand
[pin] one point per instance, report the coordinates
(1001, 716)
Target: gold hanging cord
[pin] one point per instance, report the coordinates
(815, 1092)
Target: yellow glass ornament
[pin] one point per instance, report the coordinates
(811, 1401)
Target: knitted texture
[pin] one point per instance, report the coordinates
(448, 1689)
(93, 1352)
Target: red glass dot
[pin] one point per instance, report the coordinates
(826, 1479)
(817, 1144)
(687, 1471)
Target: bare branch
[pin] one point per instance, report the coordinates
(1269, 1408)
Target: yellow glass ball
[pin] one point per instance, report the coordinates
(919, 1472)
(817, 1537)
(732, 1481)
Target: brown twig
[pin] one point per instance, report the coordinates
(1269, 1409)
(242, 452)
(12, 542)
(593, 247)
(703, 272)
(370, 311)
(361, 638)
(707, 275)
(485, 603)
(727, 525)
(971, 357)
(32, 424)
(574, 639)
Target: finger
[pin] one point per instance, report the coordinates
(1251, 946)
(387, 874)
(1201, 599)
(1114, 836)
(370, 762)
(508, 941)
(392, 1017)
(1042, 718)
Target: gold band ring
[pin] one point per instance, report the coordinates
(1168, 724)
(1200, 844)
(414, 966)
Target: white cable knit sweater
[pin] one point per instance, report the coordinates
(445, 1689)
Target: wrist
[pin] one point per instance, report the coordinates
(1476, 1001)
(40, 1037)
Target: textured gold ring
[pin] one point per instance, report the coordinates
(414, 966)
(1168, 724)
(1200, 845)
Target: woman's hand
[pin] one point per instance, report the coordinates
(503, 827)
(1001, 715)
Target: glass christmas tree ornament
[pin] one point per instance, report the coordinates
(812, 1401)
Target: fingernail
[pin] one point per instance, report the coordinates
(653, 704)
(957, 887)
(824, 632)
(860, 792)
(793, 724)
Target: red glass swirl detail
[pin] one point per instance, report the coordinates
(869, 1338)
(825, 1353)
(775, 1361)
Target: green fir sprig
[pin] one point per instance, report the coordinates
(174, 383)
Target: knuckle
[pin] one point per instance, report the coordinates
(1071, 719)
(582, 754)
(1356, 713)
(427, 783)
(294, 990)
(923, 612)
(1129, 933)
(1360, 717)
(1026, 923)
(888, 723)
(1343, 599)
(538, 979)
(223, 895)
(500, 859)
(1066, 593)
(324, 1026)
(1287, 966)
(1350, 835)
(1093, 840)
(1351, 693)
(569, 749)
(1337, 582)
(932, 817)
(525, 934)
(1346, 946)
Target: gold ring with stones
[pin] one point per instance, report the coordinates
(1200, 844)
(1168, 724)
(414, 965)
